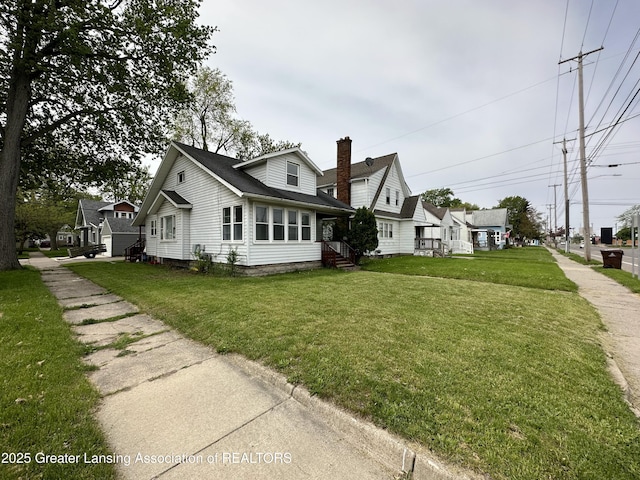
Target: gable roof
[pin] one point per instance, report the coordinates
(120, 225)
(358, 170)
(489, 218)
(295, 150)
(225, 170)
(438, 212)
(89, 212)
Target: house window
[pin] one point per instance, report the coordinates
(292, 220)
(181, 177)
(154, 228)
(232, 226)
(397, 197)
(388, 194)
(226, 223)
(278, 224)
(330, 192)
(237, 222)
(293, 174)
(262, 223)
(168, 227)
(385, 230)
(305, 219)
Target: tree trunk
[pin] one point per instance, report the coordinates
(17, 105)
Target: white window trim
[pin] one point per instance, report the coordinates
(232, 224)
(285, 219)
(296, 176)
(181, 177)
(163, 235)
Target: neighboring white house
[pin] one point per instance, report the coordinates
(107, 222)
(268, 209)
(379, 185)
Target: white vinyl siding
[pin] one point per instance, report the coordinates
(266, 252)
(277, 174)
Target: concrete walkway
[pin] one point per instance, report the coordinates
(619, 310)
(172, 408)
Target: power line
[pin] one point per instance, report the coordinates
(480, 158)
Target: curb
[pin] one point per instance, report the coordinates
(379, 444)
(621, 381)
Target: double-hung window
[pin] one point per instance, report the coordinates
(168, 227)
(305, 220)
(237, 222)
(278, 224)
(232, 223)
(293, 174)
(154, 228)
(262, 223)
(388, 196)
(293, 224)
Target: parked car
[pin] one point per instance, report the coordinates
(45, 244)
(581, 244)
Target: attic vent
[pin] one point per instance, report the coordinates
(368, 161)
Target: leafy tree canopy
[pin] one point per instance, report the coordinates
(363, 234)
(525, 220)
(627, 216)
(86, 87)
(443, 197)
(209, 121)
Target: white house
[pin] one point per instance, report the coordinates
(269, 209)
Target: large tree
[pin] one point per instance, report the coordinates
(524, 219)
(443, 197)
(210, 121)
(86, 88)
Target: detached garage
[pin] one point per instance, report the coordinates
(118, 235)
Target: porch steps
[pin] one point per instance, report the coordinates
(344, 263)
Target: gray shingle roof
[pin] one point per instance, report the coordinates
(358, 170)
(90, 210)
(222, 166)
(121, 225)
(175, 197)
(489, 218)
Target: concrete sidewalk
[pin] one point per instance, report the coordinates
(172, 408)
(619, 310)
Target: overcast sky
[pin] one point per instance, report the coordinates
(466, 92)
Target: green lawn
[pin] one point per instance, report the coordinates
(505, 379)
(46, 402)
(525, 267)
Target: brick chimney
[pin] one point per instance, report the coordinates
(343, 173)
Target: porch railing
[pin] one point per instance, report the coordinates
(460, 246)
(427, 244)
(134, 252)
(331, 251)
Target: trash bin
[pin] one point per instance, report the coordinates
(612, 258)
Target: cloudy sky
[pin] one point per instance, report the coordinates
(469, 94)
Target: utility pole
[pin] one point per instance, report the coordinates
(583, 160)
(566, 195)
(555, 208)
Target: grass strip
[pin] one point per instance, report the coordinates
(526, 267)
(507, 380)
(46, 402)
